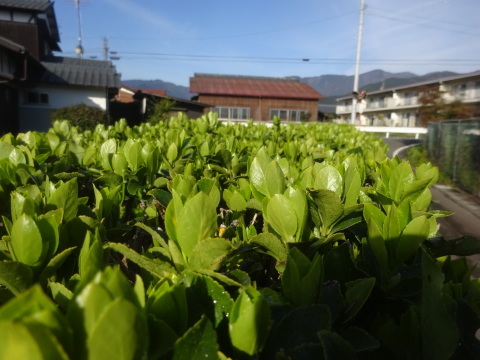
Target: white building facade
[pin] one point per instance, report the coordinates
(400, 106)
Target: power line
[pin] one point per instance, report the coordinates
(419, 24)
(427, 19)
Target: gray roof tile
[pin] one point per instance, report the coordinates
(81, 72)
(38, 5)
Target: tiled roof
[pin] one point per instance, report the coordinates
(156, 92)
(206, 84)
(38, 5)
(82, 72)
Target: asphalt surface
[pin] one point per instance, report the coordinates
(465, 207)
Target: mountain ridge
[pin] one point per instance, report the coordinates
(331, 86)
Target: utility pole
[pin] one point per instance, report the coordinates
(79, 49)
(105, 48)
(357, 62)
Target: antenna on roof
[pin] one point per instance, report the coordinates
(79, 49)
(107, 54)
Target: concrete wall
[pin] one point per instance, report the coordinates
(37, 116)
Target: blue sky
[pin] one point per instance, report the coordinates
(172, 40)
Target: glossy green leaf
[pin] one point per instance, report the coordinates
(107, 149)
(258, 177)
(155, 267)
(119, 333)
(249, 321)
(329, 178)
(15, 276)
(199, 342)
(281, 215)
(298, 199)
(90, 261)
(54, 264)
(119, 164)
(272, 245)
(235, 201)
(5, 149)
(412, 236)
(172, 153)
(439, 333)
(60, 294)
(168, 303)
(357, 293)
(401, 177)
(209, 254)
(302, 278)
(66, 197)
(26, 341)
(391, 229)
(196, 221)
(328, 206)
(274, 178)
(132, 151)
(26, 241)
(352, 186)
(207, 296)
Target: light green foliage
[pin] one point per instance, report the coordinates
(193, 239)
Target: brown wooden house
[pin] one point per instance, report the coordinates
(257, 98)
(136, 105)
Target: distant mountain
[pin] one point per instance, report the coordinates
(330, 86)
(339, 85)
(173, 90)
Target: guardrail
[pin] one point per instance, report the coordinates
(394, 130)
(374, 129)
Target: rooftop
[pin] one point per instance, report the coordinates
(213, 84)
(81, 72)
(37, 5)
(423, 83)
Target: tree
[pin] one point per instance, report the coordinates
(81, 115)
(435, 108)
(161, 111)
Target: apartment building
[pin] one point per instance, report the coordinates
(399, 106)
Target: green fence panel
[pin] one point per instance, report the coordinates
(454, 146)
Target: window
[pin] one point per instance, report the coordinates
(461, 91)
(7, 65)
(44, 99)
(289, 115)
(232, 113)
(34, 97)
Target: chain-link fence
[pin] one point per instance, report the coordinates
(454, 146)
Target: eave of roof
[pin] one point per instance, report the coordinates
(13, 46)
(225, 85)
(32, 5)
(81, 72)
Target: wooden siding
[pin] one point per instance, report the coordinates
(22, 34)
(260, 107)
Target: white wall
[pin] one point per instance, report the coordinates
(37, 116)
(65, 96)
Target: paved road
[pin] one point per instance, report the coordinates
(464, 206)
(398, 143)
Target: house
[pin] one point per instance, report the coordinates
(136, 105)
(399, 106)
(33, 81)
(13, 71)
(257, 98)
